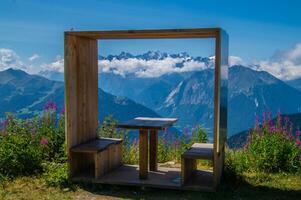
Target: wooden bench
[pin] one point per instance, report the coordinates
(107, 153)
(188, 159)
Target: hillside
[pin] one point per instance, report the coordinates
(25, 95)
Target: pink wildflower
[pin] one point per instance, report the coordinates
(50, 106)
(5, 122)
(63, 111)
(298, 133)
(43, 141)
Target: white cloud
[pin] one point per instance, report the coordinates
(57, 65)
(285, 65)
(9, 59)
(149, 68)
(33, 57)
(235, 60)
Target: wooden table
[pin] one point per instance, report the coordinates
(145, 125)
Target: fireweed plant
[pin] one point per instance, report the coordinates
(272, 146)
(26, 143)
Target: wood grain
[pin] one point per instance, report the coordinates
(148, 123)
(153, 150)
(143, 154)
(81, 96)
(148, 34)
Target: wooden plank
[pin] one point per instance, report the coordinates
(81, 96)
(148, 34)
(153, 150)
(97, 159)
(200, 151)
(104, 162)
(187, 167)
(220, 104)
(70, 61)
(143, 154)
(96, 145)
(148, 123)
(165, 177)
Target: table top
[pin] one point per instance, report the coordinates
(148, 123)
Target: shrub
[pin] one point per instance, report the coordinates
(236, 163)
(19, 155)
(26, 143)
(270, 148)
(56, 174)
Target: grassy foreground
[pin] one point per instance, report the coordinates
(251, 186)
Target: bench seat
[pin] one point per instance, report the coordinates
(189, 158)
(106, 152)
(200, 151)
(96, 145)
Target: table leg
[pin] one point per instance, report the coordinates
(153, 150)
(143, 154)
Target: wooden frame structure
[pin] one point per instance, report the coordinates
(81, 86)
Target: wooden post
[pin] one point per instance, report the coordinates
(220, 103)
(143, 154)
(188, 166)
(153, 150)
(81, 96)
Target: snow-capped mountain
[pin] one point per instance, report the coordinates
(188, 94)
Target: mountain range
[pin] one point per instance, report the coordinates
(26, 95)
(189, 95)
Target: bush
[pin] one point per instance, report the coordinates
(26, 143)
(19, 155)
(270, 148)
(56, 174)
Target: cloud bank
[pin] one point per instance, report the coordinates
(149, 68)
(285, 65)
(57, 65)
(33, 57)
(9, 59)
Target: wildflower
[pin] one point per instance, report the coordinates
(43, 141)
(271, 129)
(186, 132)
(298, 142)
(176, 143)
(5, 122)
(298, 133)
(286, 119)
(50, 106)
(63, 111)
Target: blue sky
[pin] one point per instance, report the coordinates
(257, 29)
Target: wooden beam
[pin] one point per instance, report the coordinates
(148, 34)
(220, 104)
(81, 95)
(153, 150)
(143, 154)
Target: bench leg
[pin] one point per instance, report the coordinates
(143, 154)
(153, 150)
(101, 162)
(97, 165)
(187, 168)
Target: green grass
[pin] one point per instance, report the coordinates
(250, 186)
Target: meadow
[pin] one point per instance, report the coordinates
(33, 161)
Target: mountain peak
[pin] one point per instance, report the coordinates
(10, 74)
